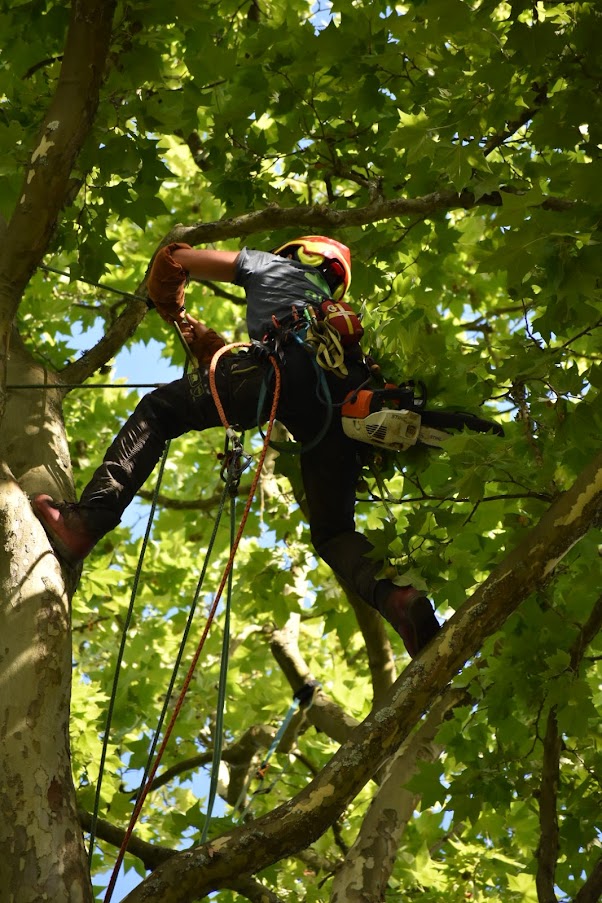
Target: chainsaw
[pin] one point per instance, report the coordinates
(394, 418)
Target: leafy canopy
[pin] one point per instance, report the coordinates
(481, 122)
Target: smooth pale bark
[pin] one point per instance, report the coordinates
(42, 855)
(193, 874)
(365, 873)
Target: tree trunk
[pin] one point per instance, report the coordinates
(365, 873)
(42, 855)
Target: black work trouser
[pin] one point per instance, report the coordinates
(330, 468)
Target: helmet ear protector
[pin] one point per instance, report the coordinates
(334, 274)
(331, 258)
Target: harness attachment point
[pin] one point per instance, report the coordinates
(234, 461)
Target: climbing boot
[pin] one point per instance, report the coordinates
(67, 528)
(411, 614)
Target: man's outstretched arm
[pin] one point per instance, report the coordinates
(171, 268)
(207, 264)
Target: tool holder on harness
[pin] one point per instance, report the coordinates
(326, 331)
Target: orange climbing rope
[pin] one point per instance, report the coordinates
(212, 384)
(180, 701)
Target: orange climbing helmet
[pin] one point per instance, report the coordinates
(330, 257)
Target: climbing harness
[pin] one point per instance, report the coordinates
(324, 397)
(296, 328)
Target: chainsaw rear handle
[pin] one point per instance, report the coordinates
(361, 401)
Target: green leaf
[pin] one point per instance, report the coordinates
(427, 784)
(456, 162)
(248, 128)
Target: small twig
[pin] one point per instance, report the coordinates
(579, 335)
(496, 141)
(472, 513)
(528, 329)
(455, 500)
(41, 64)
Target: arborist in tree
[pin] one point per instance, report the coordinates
(296, 315)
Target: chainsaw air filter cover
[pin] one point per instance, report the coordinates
(397, 430)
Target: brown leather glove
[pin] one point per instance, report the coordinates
(167, 282)
(202, 341)
(205, 347)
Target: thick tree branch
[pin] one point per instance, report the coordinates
(62, 133)
(321, 217)
(367, 868)
(591, 892)
(247, 849)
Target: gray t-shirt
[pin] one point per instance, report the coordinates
(275, 286)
